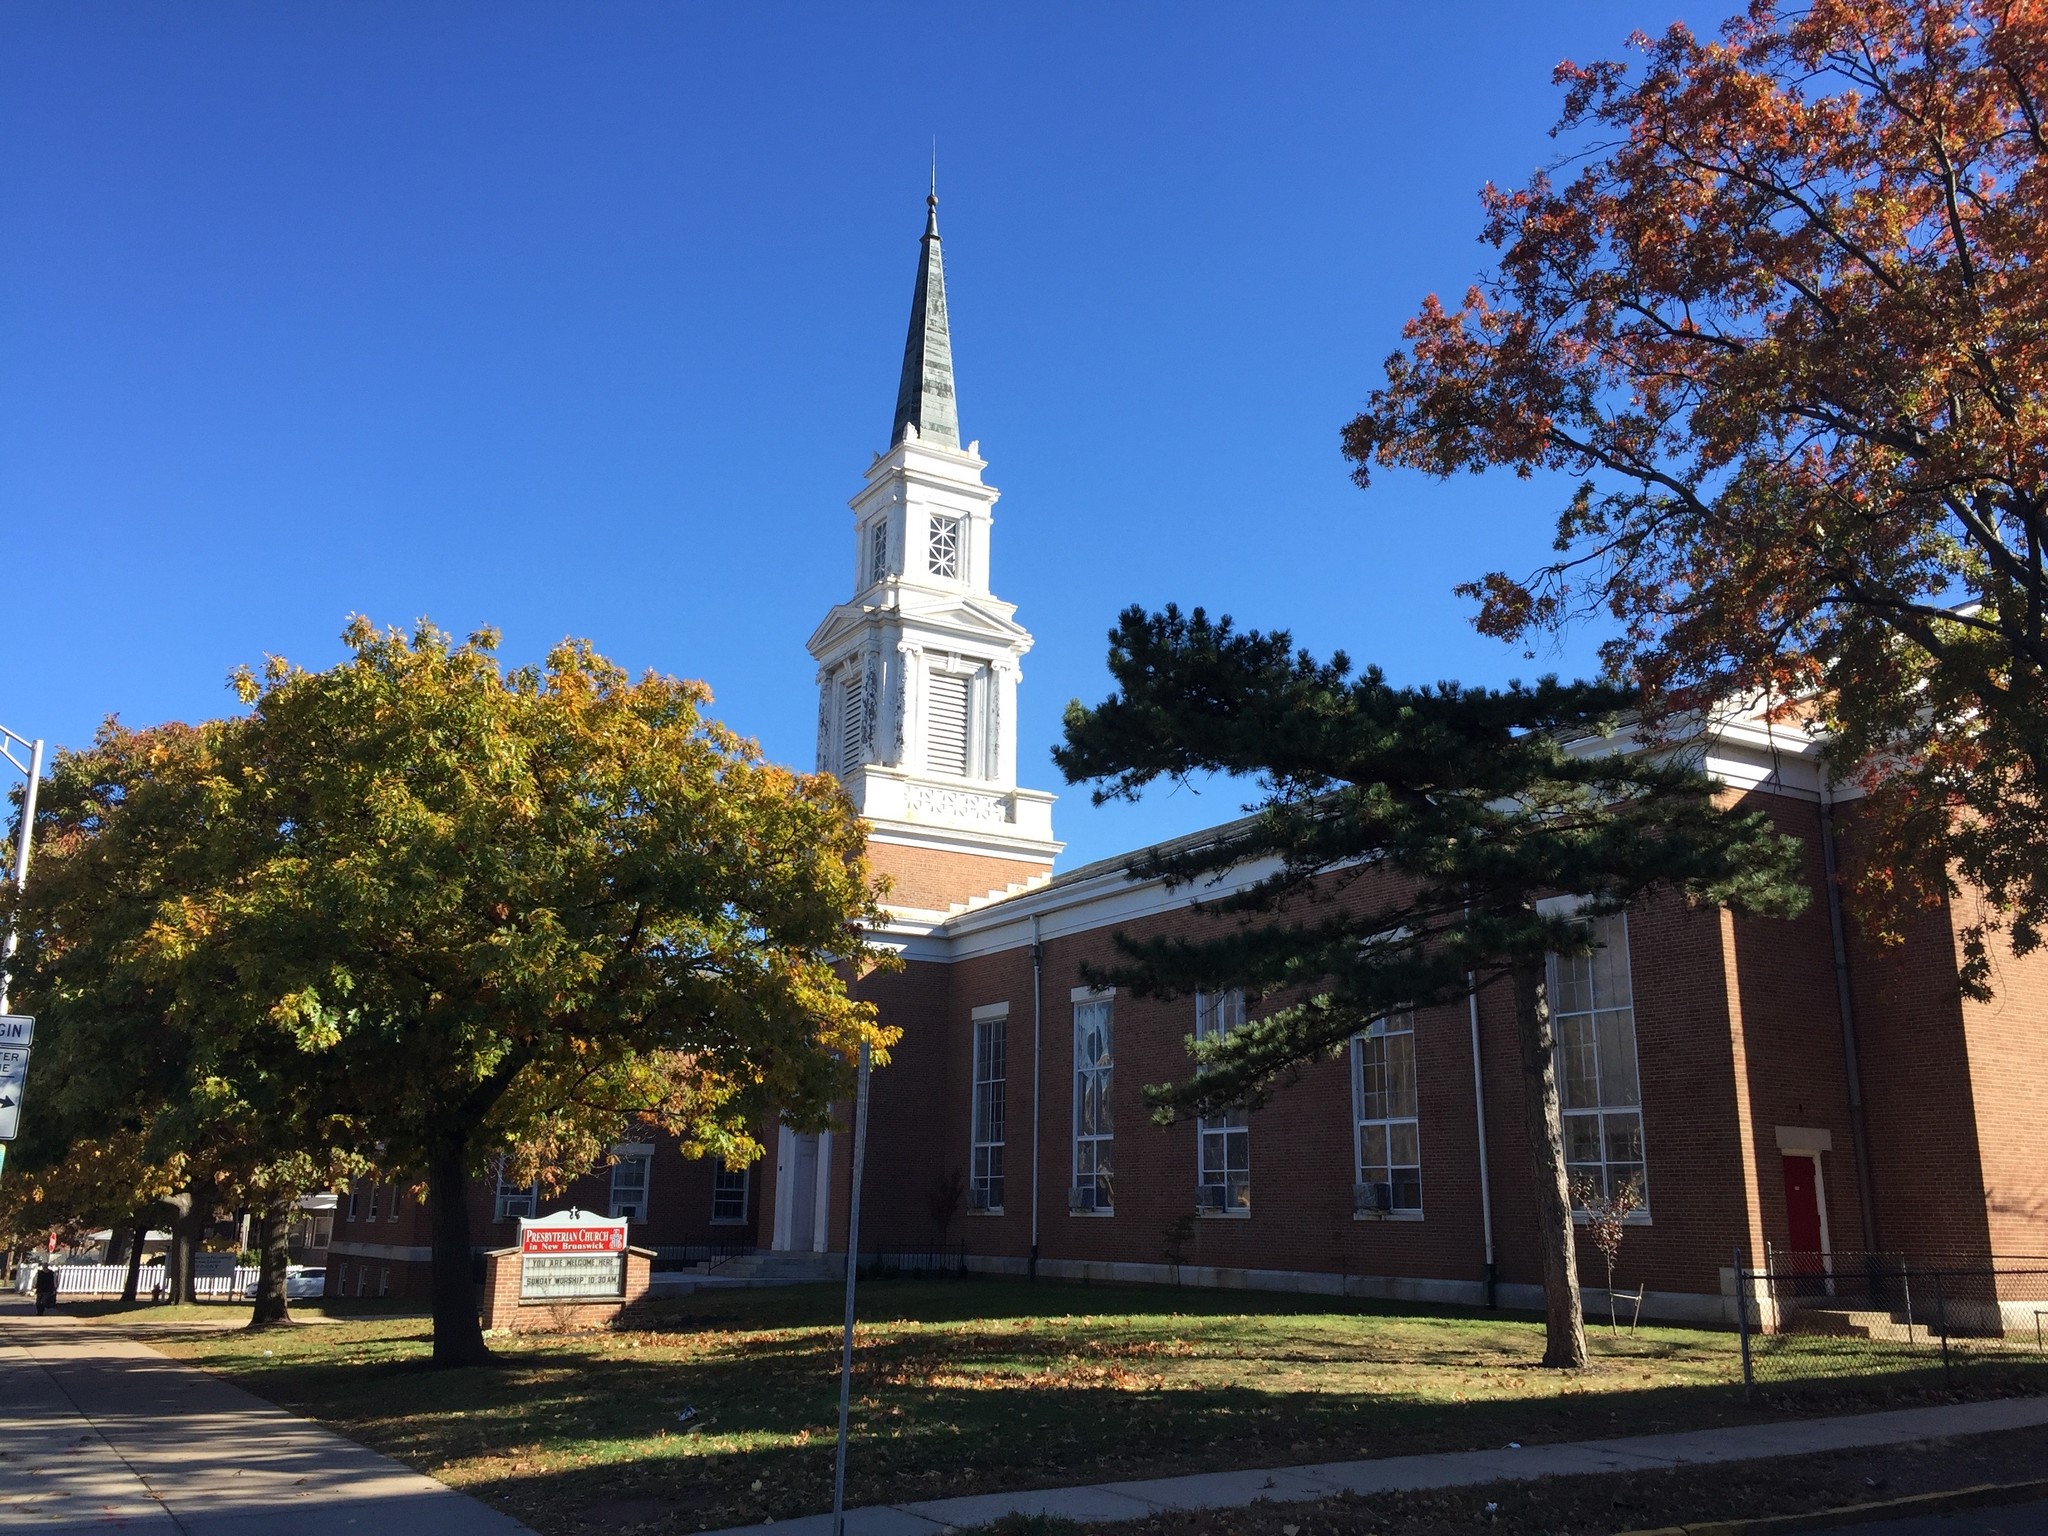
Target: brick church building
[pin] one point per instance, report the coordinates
(1762, 1082)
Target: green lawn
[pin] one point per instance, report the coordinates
(959, 1387)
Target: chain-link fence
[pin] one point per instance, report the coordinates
(1811, 1317)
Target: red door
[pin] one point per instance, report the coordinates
(1802, 1216)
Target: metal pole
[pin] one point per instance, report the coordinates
(21, 842)
(1941, 1317)
(860, 1147)
(1479, 1115)
(1742, 1324)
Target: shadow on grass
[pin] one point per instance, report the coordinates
(980, 1387)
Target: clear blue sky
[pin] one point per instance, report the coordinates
(584, 320)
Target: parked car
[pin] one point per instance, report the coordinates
(300, 1284)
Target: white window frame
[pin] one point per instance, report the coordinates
(954, 545)
(1617, 1099)
(352, 1202)
(383, 1282)
(718, 1172)
(878, 551)
(987, 1108)
(372, 1214)
(636, 1199)
(509, 1195)
(1387, 1125)
(1223, 1144)
(1093, 1191)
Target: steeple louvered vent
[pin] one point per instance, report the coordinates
(853, 728)
(946, 740)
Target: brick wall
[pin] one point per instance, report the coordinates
(399, 1239)
(933, 879)
(1739, 1048)
(502, 1308)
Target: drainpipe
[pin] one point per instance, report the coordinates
(1859, 1135)
(1479, 1109)
(1037, 1022)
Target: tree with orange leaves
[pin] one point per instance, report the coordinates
(1784, 320)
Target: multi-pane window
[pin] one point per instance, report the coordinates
(985, 1184)
(878, 552)
(1387, 1135)
(728, 1195)
(516, 1199)
(1224, 1158)
(373, 1204)
(629, 1187)
(353, 1196)
(946, 722)
(1094, 1131)
(944, 549)
(1593, 1007)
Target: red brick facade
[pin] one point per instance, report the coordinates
(1740, 1051)
(389, 1253)
(1741, 1060)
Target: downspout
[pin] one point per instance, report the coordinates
(1859, 1135)
(1037, 1021)
(1479, 1110)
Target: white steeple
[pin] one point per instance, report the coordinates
(918, 672)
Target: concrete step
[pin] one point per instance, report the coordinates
(781, 1268)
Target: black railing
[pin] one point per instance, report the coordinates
(947, 1260)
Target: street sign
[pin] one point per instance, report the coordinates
(17, 1029)
(13, 1073)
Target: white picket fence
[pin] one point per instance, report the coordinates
(109, 1279)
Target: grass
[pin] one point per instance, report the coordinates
(959, 1388)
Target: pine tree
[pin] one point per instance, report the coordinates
(1416, 833)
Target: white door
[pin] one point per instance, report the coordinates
(798, 1196)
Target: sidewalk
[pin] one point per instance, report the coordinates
(103, 1433)
(1233, 1490)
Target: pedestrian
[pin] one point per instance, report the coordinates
(46, 1289)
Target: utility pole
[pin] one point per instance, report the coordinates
(11, 746)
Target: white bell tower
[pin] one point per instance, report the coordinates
(918, 672)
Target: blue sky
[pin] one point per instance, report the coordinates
(584, 320)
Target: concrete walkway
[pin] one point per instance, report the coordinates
(1233, 1490)
(100, 1433)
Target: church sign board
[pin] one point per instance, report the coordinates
(572, 1256)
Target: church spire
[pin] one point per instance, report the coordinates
(924, 397)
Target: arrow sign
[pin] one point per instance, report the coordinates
(13, 1073)
(16, 1029)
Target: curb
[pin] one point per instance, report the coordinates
(1979, 1496)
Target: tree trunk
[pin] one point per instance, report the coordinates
(132, 1281)
(188, 1219)
(274, 1236)
(1564, 1322)
(458, 1332)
